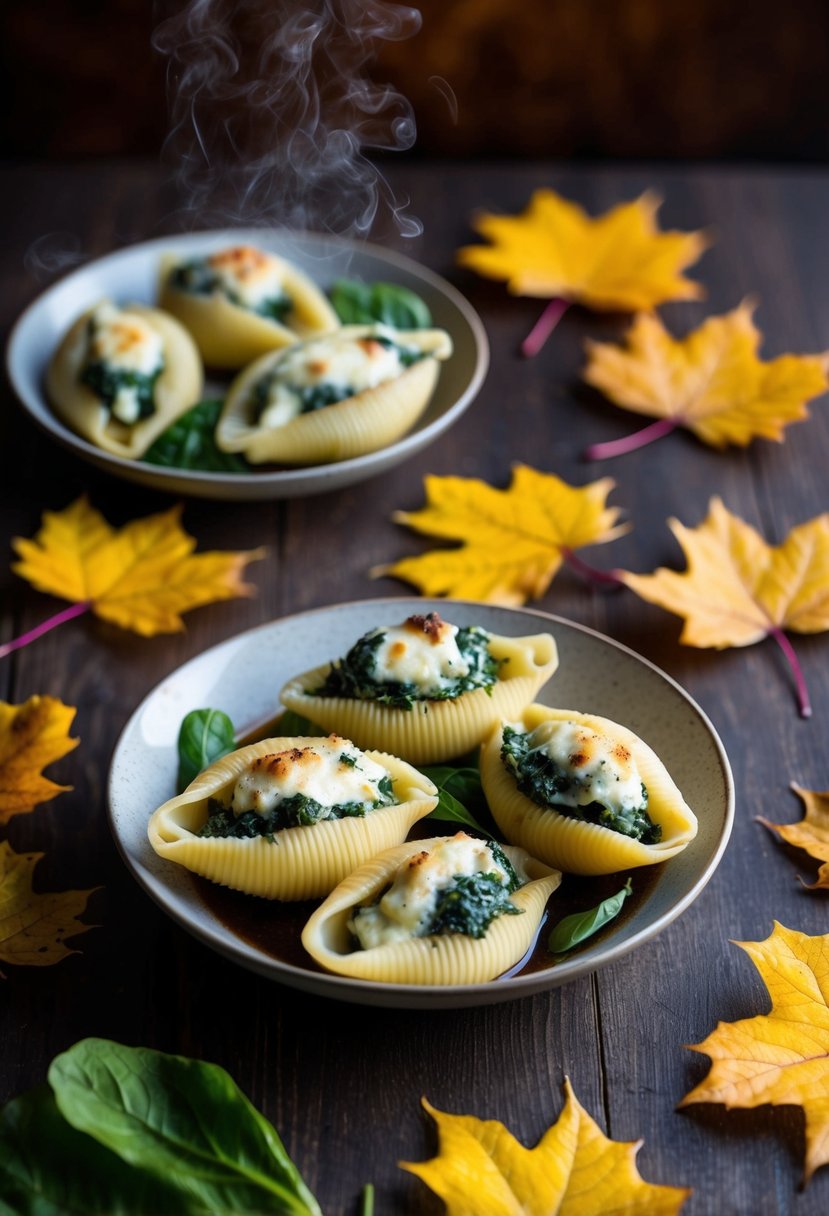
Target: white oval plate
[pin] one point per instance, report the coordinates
(243, 676)
(132, 275)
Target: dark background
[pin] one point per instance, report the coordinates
(544, 78)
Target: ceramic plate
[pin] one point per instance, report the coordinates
(243, 676)
(132, 275)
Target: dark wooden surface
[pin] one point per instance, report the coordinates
(343, 1084)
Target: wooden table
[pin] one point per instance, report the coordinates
(343, 1083)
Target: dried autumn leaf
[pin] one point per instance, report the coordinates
(512, 541)
(482, 1170)
(33, 927)
(810, 833)
(711, 382)
(738, 590)
(555, 250)
(141, 577)
(782, 1057)
(32, 735)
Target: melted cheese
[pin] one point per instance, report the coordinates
(428, 658)
(124, 340)
(247, 274)
(408, 906)
(341, 362)
(318, 771)
(603, 768)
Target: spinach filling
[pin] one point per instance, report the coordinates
(473, 901)
(199, 278)
(353, 677)
(542, 780)
(293, 812)
(317, 396)
(107, 382)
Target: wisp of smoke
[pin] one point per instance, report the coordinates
(53, 253)
(272, 111)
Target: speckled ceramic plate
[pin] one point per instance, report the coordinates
(243, 676)
(132, 275)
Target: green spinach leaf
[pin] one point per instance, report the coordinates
(291, 724)
(205, 735)
(357, 303)
(456, 788)
(577, 928)
(188, 443)
(126, 1130)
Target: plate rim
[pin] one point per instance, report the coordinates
(418, 996)
(292, 479)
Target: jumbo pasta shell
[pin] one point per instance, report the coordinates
(230, 336)
(450, 958)
(178, 387)
(571, 844)
(432, 731)
(301, 862)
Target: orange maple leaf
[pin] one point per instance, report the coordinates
(738, 590)
(810, 833)
(711, 382)
(482, 1170)
(512, 541)
(619, 260)
(782, 1057)
(32, 735)
(141, 577)
(33, 927)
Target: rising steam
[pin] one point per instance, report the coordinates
(272, 111)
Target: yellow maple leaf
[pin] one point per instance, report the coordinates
(810, 833)
(738, 589)
(574, 1170)
(141, 577)
(619, 260)
(33, 927)
(512, 541)
(780, 1058)
(711, 381)
(32, 735)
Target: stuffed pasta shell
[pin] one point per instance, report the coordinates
(450, 910)
(425, 689)
(241, 302)
(349, 392)
(121, 376)
(289, 818)
(583, 793)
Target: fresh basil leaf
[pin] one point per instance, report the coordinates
(581, 925)
(357, 303)
(189, 443)
(291, 724)
(181, 1121)
(456, 787)
(205, 735)
(47, 1168)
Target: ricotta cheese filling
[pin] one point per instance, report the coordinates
(326, 370)
(247, 275)
(601, 769)
(408, 907)
(428, 658)
(124, 357)
(332, 772)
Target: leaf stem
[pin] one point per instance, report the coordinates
(618, 447)
(544, 326)
(67, 614)
(605, 578)
(804, 704)
(367, 1200)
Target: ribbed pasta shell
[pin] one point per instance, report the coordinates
(302, 862)
(571, 844)
(366, 422)
(432, 731)
(450, 958)
(178, 387)
(230, 336)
